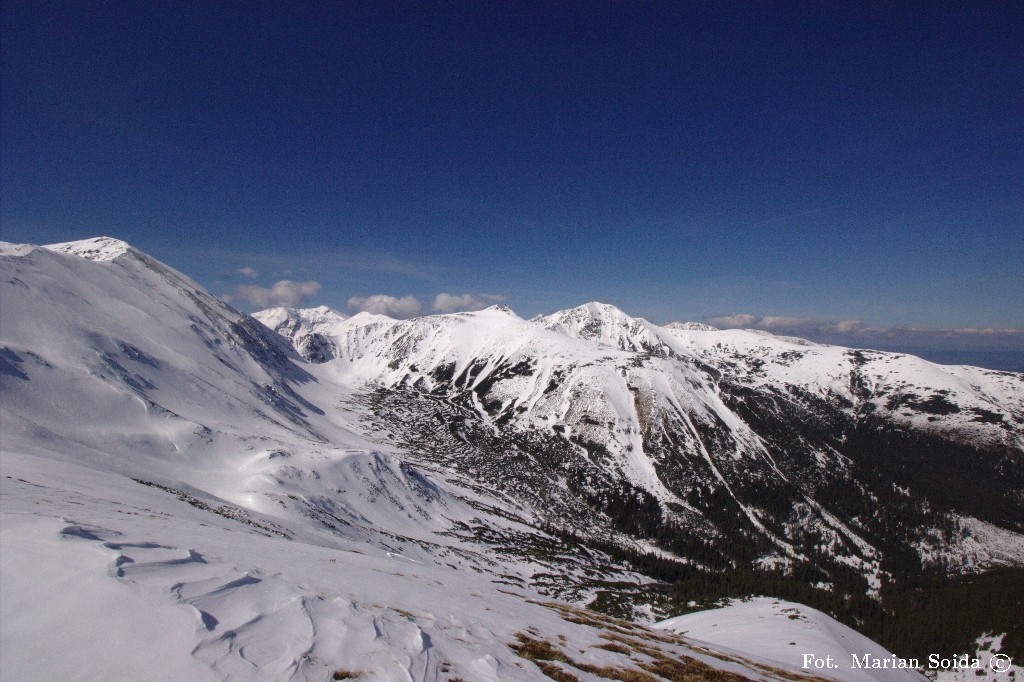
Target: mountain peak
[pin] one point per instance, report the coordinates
(309, 329)
(690, 327)
(98, 249)
(605, 324)
(594, 311)
(597, 308)
(321, 313)
(316, 319)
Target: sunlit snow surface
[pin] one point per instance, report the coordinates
(784, 633)
(175, 505)
(184, 497)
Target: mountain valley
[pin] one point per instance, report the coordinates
(298, 494)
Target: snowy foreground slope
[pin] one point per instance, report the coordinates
(173, 508)
(188, 495)
(783, 632)
(779, 632)
(103, 578)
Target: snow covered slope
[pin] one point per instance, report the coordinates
(986, 404)
(184, 497)
(784, 633)
(104, 578)
(404, 499)
(109, 341)
(729, 450)
(695, 418)
(309, 329)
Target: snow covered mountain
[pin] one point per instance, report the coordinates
(309, 330)
(694, 420)
(325, 495)
(733, 451)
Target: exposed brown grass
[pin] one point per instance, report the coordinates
(617, 648)
(342, 674)
(544, 653)
(634, 645)
(638, 643)
(555, 672)
(686, 669)
(533, 649)
(614, 672)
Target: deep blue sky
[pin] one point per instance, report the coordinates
(827, 161)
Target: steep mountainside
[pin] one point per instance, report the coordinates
(732, 451)
(714, 431)
(404, 498)
(184, 497)
(309, 330)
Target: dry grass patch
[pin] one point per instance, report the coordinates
(686, 669)
(556, 672)
(617, 648)
(594, 620)
(614, 672)
(544, 653)
(533, 649)
(636, 642)
(635, 646)
(789, 675)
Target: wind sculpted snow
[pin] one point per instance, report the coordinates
(189, 494)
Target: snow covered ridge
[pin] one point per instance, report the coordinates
(407, 499)
(309, 329)
(638, 396)
(98, 249)
(176, 504)
(938, 397)
(787, 634)
(792, 636)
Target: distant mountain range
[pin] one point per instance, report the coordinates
(230, 462)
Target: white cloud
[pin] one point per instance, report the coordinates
(735, 321)
(848, 326)
(284, 293)
(249, 272)
(450, 303)
(782, 324)
(382, 304)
